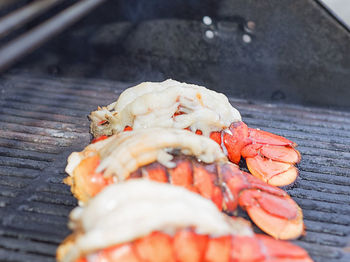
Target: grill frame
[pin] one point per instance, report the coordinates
(29, 41)
(43, 119)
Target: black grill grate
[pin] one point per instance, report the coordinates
(42, 120)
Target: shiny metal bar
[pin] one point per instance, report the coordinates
(28, 12)
(26, 43)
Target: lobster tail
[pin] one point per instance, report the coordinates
(269, 157)
(218, 180)
(179, 226)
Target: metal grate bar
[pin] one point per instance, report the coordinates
(38, 108)
(37, 131)
(25, 14)
(14, 256)
(36, 138)
(52, 117)
(42, 119)
(25, 154)
(292, 109)
(335, 123)
(59, 96)
(326, 178)
(29, 146)
(18, 172)
(39, 101)
(31, 246)
(27, 42)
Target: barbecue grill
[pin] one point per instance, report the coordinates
(46, 97)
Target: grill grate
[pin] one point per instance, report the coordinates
(42, 120)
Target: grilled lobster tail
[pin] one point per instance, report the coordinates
(222, 182)
(269, 157)
(178, 226)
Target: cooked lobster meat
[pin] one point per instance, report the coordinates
(184, 159)
(142, 220)
(269, 157)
